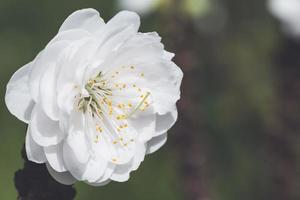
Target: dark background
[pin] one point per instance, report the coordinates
(237, 137)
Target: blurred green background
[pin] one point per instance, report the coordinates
(237, 137)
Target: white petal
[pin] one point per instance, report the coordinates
(95, 169)
(99, 184)
(168, 55)
(155, 143)
(124, 19)
(62, 177)
(144, 126)
(87, 19)
(75, 63)
(75, 158)
(45, 131)
(166, 121)
(165, 89)
(70, 35)
(35, 152)
(75, 150)
(54, 155)
(17, 97)
(140, 48)
(76, 146)
(122, 172)
(139, 156)
(45, 59)
(107, 174)
(47, 92)
(118, 30)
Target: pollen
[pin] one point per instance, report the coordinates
(98, 128)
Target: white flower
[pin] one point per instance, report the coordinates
(140, 6)
(288, 11)
(96, 99)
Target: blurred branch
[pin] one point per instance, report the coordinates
(192, 152)
(33, 182)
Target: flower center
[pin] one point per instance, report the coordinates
(97, 94)
(111, 101)
(98, 97)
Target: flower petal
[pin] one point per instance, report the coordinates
(34, 151)
(75, 158)
(61, 177)
(122, 172)
(54, 156)
(100, 183)
(155, 143)
(45, 59)
(145, 126)
(17, 97)
(45, 131)
(164, 89)
(166, 121)
(118, 30)
(70, 35)
(88, 19)
(95, 169)
(107, 174)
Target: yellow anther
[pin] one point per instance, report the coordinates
(142, 74)
(139, 89)
(118, 129)
(129, 105)
(98, 128)
(117, 72)
(119, 117)
(124, 85)
(114, 159)
(131, 67)
(134, 85)
(115, 142)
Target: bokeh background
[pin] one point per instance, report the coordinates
(237, 136)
